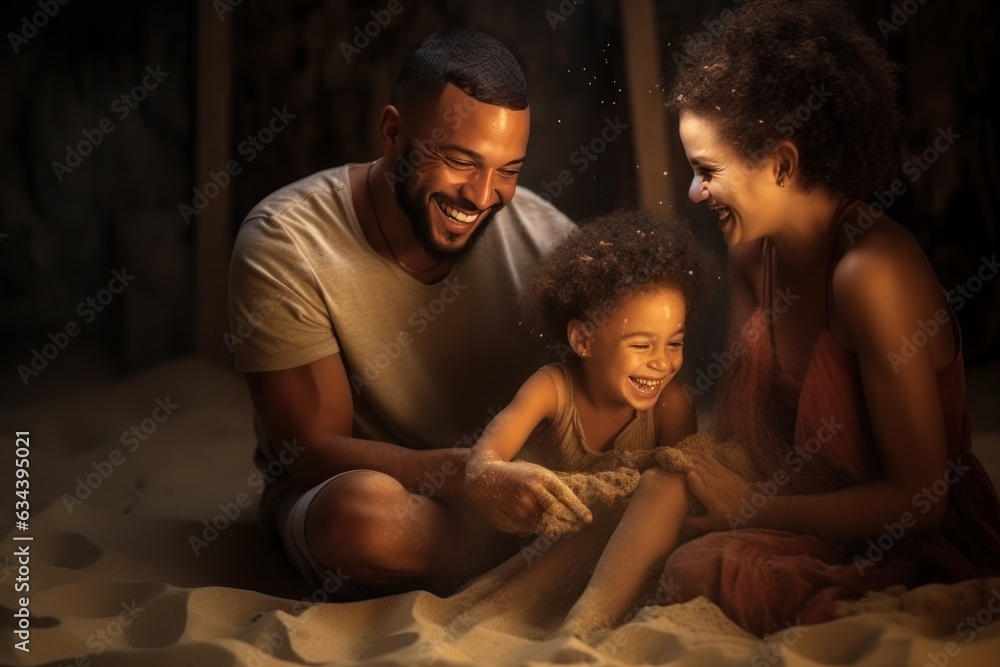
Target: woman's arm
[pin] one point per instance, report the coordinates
(882, 292)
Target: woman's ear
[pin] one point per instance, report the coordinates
(392, 131)
(786, 163)
(579, 336)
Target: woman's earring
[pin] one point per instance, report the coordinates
(781, 184)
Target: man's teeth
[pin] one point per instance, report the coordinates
(455, 214)
(723, 212)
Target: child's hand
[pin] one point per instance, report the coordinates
(524, 498)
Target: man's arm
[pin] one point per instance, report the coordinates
(312, 404)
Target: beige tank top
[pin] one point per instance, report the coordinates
(562, 445)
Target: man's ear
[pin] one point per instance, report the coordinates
(392, 131)
(785, 163)
(580, 337)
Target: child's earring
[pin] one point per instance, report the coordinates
(579, 337)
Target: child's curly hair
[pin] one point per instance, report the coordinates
(610, 258)
(756, 79)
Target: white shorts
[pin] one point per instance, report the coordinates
(291, 528)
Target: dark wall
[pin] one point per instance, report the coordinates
(96, 142)
(65, 232)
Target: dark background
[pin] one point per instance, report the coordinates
(61, 240)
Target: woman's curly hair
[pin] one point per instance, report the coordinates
(611, 258)
(764, 64)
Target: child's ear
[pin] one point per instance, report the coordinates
(579, 336)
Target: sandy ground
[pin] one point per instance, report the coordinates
(125, 571)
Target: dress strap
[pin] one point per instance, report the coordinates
(567, 378)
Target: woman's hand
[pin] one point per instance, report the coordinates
(721, 491)
(524, 498)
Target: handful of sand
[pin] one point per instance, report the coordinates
(609, 488)
(602, 489)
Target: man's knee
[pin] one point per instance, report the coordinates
(364, 522)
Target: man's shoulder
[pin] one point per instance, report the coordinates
(321, 189)
(528, 203)
(535, 218)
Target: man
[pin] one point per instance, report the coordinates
(380, 301)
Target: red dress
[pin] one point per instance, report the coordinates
(767, 579)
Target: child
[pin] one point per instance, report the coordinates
(617, 292)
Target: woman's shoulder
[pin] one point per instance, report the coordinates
(872, 250)
(880, 270)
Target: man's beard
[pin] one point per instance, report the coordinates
(411, 197)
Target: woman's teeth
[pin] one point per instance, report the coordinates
(723, 213)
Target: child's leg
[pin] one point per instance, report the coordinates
(635, 554)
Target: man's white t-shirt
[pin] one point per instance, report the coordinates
(429, 365)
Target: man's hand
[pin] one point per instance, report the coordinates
(524, 498)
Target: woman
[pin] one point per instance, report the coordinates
(847, 388)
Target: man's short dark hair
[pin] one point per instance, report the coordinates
(472, 61)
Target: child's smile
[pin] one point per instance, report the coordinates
(647, 386)
(632, 355)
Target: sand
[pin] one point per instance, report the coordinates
(133, 574)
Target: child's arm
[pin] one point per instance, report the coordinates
(506, 434)
(515, 496)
